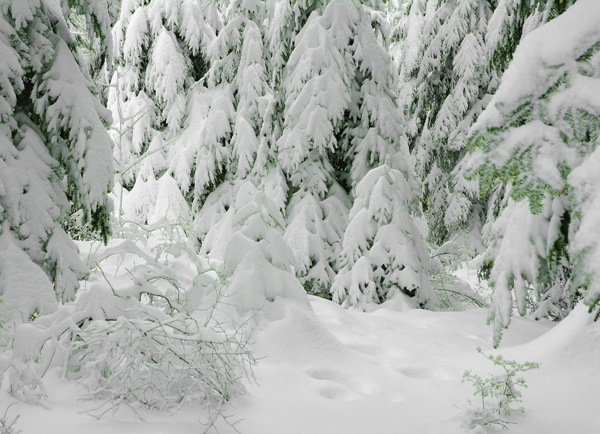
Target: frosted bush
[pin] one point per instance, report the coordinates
(158, 363)
(498, 393)
(148, 340)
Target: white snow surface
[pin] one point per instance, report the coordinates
(326, 369)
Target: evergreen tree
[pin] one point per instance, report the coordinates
(316, 92)
(340, 120)
(298, 98)
(537, 138)
(91, 24)
(451, 55)
(55, 155)
(161, 50)
(253, 261)
(444, 79)
(253, 218)
(239, 77)
(284, 21)
(383, 251)
(512, 20)
(314, 232)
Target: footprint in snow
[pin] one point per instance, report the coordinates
(335, 389)
(414, 372)
(348, 388)
(323, 374)
(338, 393)
(424, 373)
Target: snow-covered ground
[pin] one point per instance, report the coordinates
(388, 371)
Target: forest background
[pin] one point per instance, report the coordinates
(239, 153)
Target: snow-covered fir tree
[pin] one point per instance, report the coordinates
(513, 20)
(340, 120)
(248, 120)
(253, 260)
(444, 80)
(91, 24)
(161, 50)
(55, 154)
(316, 93)
(255, 218)
(384, 255)
(451, 55)
(538, 138)
(221, 144)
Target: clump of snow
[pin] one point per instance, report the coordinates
(170, 205)
(566, 37)
(260, 287)
(25, 290)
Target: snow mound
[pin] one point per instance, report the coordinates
(260, 287)
(299, 338)
(573, 334)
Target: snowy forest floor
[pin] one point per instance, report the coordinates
(388, 371)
